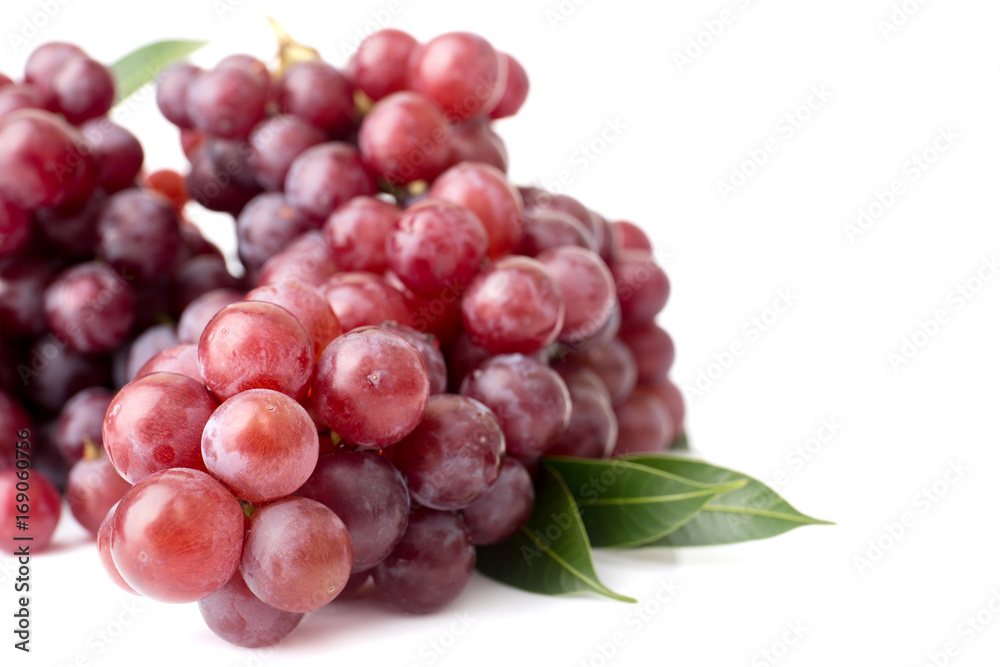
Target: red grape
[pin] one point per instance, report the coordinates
(261, 444)
(369, 495)
(154, 423)
(298, 555)
(371, 387)
(504, 508)
(255, 345)
(514, 306)
(430, 566)
(237, 615)
(177, 535)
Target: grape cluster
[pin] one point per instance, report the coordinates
(370, 401)
(95, 258)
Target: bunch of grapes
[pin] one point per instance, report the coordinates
(93, 262)
(370, 401)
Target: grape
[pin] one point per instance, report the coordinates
(104, 552)
(369, 495)
(438, 314)
(83, 89)
(514, 92)
(629, 236)
(93, 488)
(23, 281)
(504, 508)
(237, 615)
(644, 425)
(463, 357)
(547, 230)
(226, 102)
(427, 346)
(90, 307)
(80, 422)
(46, 507)
(671, 398)
(460, 72)
(41, 161)
(255, 345)
(252, 65)
(355, 584)
(154, 423)
(454, 454)
(70, 233)
(319, 94)
(170, 184)
(305, 260)
(593, 426)
(176, 536)
(116, 151)
(484, 191)
(587, 288)
(404, 138)
(45, 62)
(371, 387)
(356, 233)
(261, 444)
(139, 234)
(614, 364)
(307, 304)
(653, 350)
(538, 199)
(276, 142)
(325, 176)
(172, 93)
(20, 96)
(363, 299)
(529, 399)
(15, 228)
(378, 67)
(430, 566)
(643, 287)
(54, 373)
(222, 176)
(436, 244)
(197, 276)
(267, 225)
(298, 555)
(13, 419)
(200, 312)
(514, 306)
(607, 244)
(475, 141)
(148, 344)
(181, 359)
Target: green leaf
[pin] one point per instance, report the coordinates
(551, 553)
(624, 504)
(752, 512)
(142, 65)
(681, 443)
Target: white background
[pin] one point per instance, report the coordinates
(901, 427)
